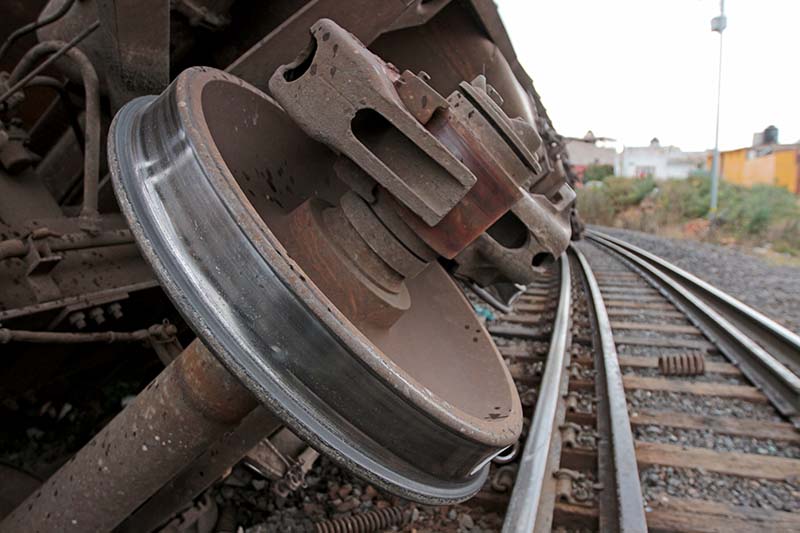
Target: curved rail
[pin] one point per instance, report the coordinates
(521, 515)
(627, 505)
(539, 457)
(753, 342)
(776, 339)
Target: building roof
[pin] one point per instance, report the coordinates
(587, 153)
(765, 148)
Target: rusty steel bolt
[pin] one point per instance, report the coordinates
(564, 478)
(77, 320)
(97, 315)
(115, 310)
(569, 434)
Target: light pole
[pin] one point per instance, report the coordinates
(718, 24)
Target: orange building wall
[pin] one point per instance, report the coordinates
(759, 170)
(780, 168)
(787, 170)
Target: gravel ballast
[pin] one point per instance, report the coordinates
(700, 405)
(708, 377)
(722, 443)
(659, 481)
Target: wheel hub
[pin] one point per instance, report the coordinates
(389, 373)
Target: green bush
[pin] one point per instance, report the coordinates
(681, 200)
(627, 192)
(785, 237)
(595, 207)
(761, 214)
(597, 172)
(752, 211)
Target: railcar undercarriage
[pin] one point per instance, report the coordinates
(264, 207)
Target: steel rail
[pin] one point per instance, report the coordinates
(776, 381)
(521, 515)
(776, 339)
(627, 494)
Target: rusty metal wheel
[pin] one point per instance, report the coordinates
(206, 175)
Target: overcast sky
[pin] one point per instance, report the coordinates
(638, 69)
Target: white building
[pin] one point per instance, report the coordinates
(661, 162)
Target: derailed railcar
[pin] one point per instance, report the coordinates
(287, 190)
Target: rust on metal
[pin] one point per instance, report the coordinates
(310, 245)
(479, 163)
(202, 472)
(377, 520)
(189, 405)
(157, 333)
(684, 364)
(415, 369)
(739, 332)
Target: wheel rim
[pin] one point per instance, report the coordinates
(421, 424)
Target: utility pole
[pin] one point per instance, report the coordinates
(718, 24)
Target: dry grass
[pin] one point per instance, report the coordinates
(762, 217)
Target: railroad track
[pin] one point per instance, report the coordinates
(654, 401)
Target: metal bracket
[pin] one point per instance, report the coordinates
(344, 96)
(41, 261)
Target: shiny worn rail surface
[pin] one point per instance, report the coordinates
(575, 358)
(522, 510)
(760, 347)
(538, 457)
